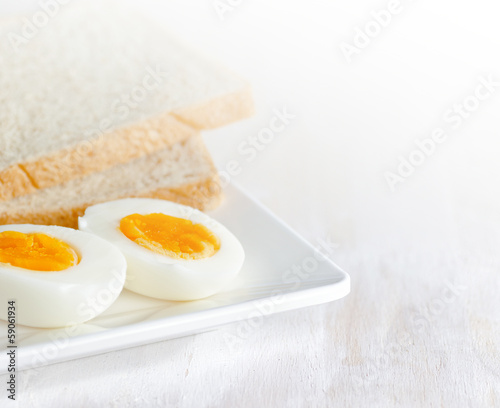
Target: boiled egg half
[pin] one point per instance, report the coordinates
(173, 252)
(57, 276)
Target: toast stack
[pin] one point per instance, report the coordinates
(101, 103)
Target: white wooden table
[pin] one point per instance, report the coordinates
(421, 326)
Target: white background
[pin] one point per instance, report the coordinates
(402, 337)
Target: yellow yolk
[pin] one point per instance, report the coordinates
(171, 236)
(37, 252)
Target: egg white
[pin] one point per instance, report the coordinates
(160, 276)
(71, 296)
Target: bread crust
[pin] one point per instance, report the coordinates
(108, 149)
(219, 111)
(204, 195)
(123, 145)
(14, 181)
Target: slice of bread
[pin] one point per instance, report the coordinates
(183, 173)
(99, 85)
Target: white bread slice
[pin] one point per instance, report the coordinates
(99, 85)
(183, 173)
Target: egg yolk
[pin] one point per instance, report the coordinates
(175, 237)
(37, 252)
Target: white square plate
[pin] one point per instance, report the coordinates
(281, 272)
